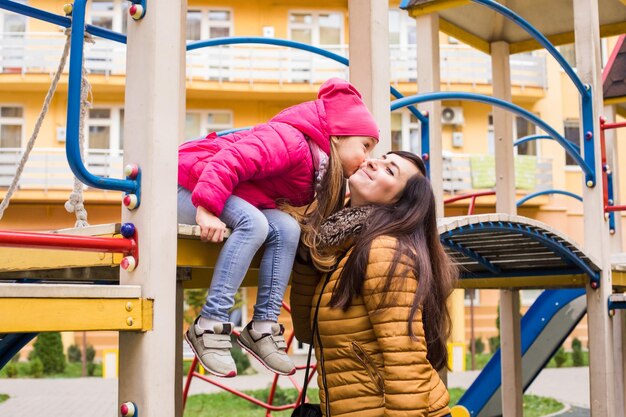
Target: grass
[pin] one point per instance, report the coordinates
(227, 404)
(3, 397)
(481, 360)
(72, 370)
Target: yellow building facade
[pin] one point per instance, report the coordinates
(238, 86)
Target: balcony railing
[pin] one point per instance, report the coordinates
(32, 53)
(47, 169)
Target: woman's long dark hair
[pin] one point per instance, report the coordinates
(412, 221)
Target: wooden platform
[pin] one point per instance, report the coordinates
(493, 251)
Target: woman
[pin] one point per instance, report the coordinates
(382, 321)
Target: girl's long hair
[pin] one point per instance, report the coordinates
(412, 221)
(329, 199)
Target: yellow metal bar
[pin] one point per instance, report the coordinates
(619, 279)
(435, 6)
(19, 259)
(464, 36)
(545, 281)
(22, 315)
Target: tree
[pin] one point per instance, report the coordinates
(577, 353)
(48, 348)
(560, 357)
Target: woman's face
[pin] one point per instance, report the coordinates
(380, 181)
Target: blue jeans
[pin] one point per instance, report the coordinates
(251, 228)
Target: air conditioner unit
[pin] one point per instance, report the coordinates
(452, 115)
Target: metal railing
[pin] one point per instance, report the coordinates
(47, 168)
(36, 53)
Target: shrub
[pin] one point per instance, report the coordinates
(11, 370)
(36, 367)
(241, 360)
(49, 350)
(560, 357)
(479, 345)
(577, 353)
(494, 344)
(16, 358)
(91, 353)
(74, 354)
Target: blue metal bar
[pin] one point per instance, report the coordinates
(290, 44)
(554, 245)
(445, 95)
(611, 202)
(543, 41)
(55, 19)
(72, 146)
(472, 255)
(412, 109)
(229, 131)
(530, 138)
(546, 192)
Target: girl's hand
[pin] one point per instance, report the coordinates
(212, 229)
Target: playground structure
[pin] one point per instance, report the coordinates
(142, 306)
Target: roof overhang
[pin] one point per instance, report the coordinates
(479, 26)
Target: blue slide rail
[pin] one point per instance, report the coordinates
(533, 324)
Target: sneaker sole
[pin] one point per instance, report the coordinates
(231, 374)
(247, 349)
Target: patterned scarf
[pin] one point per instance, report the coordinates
(339, 230)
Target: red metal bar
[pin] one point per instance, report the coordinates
(466, 196)
(614, 208)
(72, 242)
(606, 126)
(472, 205)
(194, 363)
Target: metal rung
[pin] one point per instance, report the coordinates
(617, 302)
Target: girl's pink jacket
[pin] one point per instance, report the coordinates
(272, 161)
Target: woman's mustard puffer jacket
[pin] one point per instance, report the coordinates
(370, 367)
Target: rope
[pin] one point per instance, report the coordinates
(75, 203)
(38, 123)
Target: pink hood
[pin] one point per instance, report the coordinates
(272, 161)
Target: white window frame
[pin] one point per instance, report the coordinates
(206, 23)
(572, 122)
(315, 25)
(205, 127)
(114, 124)
(405, 22)
(120, 10)
(14, 120)
(476, 297)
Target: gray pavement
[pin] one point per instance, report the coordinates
(97, 397)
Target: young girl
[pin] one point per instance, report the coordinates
(241, 181)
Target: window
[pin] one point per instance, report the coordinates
(104, 129)
(109, 14)
(528, 297)
(209, 24)
(316, 28)
(569, 53)
(405, 132)
(200, 123)
(521, 128)
(572, 133)
(468, 297)
(402, 29)
(12, 26)
(11, 126)
(524, 128)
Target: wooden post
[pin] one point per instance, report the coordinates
(510, 333)
(600, 328)
(150, 363)
(369, 62)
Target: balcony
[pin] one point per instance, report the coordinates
(37, 53)
(47, 169)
